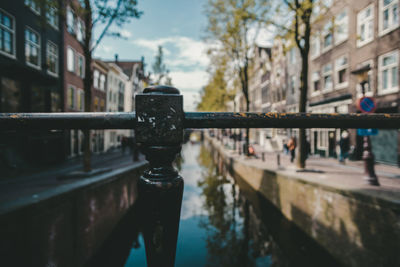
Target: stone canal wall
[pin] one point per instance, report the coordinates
(67, 225)
(355, 227)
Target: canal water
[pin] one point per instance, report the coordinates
(223, 223)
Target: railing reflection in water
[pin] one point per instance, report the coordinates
(223, 223)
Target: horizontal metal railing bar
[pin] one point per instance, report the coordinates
(67, 120)
(290, 120)
(197, 120)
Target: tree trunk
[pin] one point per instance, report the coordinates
(247, 139)
(302, 143)
(87, 166)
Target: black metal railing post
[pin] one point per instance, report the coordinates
(159, 131)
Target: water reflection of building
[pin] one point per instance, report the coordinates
(31, 62)
(99, 92)
(116, 83)
(74, 71)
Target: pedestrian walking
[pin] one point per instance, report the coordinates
(292, 148)
(344, 145)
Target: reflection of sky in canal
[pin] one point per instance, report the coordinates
(191, 247)
(224, 225)
(192, 203)
(200, 227)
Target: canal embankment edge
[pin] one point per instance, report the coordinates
(358, 227)
(66, 225)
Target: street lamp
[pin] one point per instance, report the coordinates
(368, 156)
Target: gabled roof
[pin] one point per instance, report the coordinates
(127, 66)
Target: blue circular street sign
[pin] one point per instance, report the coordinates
(366, 104)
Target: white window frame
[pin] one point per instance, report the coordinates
(80, 102)
(338, 23)
(315, 42)
(72, 29)
(12, 31)
(327, 30)
(369, 89)
(368, 23)
(80, 30)
(316, 76)
(322, 142)
(392, 25)
(324, 74)
(78, 71)
(102, 82)
(52, 11)
(55, 55)
(293, 81)
(96, 79)
(69, 48)
(292, 55)
(73, 106)
(339, 68)
(38, 66)
(392, 89)
(29, 3)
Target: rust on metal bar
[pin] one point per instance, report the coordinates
(65, 120)
(290, 120)
(127, 120)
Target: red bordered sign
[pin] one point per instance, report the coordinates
(366, 104)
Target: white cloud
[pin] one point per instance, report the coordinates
(125, 34)
(152, 44)
(187, 64)
(105, 48)
(190, 52)
(189, 80)
(263, 36)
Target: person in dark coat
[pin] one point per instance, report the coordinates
(344, 145)
(292, 148)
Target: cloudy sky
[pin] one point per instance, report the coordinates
(177, 25)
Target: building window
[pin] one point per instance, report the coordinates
(70, 59)
(52, 58)
(52, 17)
(96, 103)
(293, 83)
(96, 75)
(33, 5)
(32, 48)
(341, 69)
(71, 97)
(102, 82)
(81, 66)
(80, 32)
(341, 27)
(315, 45)
(389, 15)
(316, 81)
(327, 36)
(71, 18)
(102, 105)
(80, 100)
(368, 87)
(292, 55)
(327, 76)
(389, 73)
(365, 25)
(7, 34)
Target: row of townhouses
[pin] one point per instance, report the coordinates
(42, 67)
(348, 36)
